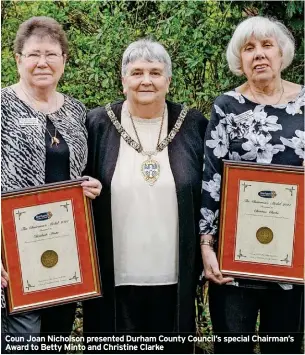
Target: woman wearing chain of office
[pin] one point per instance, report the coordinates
(148, 154)
(44, 140)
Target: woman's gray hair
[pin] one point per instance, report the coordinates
(148, 50)
(259, 27)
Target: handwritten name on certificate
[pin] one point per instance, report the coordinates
(265, 222)
(47, 246)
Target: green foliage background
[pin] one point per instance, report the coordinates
(195, 33)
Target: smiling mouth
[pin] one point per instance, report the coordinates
(261, 66)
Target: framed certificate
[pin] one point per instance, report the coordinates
(262, 222)
(48, 246)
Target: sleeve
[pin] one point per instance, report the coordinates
(216, 148)
(199, 127)
(93, 129)
(84, 114)
(202, 124)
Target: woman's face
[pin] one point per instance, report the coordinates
(145, 82)
(41, 63)
(261, 59)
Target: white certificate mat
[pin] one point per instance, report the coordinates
(265, 222)
(47, 246)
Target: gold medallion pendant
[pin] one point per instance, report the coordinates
(151, 170)
(49, 258)
(264, 235)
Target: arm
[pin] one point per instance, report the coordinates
(92, 187)
(216, 148)
(4, 276)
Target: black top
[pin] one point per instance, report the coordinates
(242, 130)
(57, 156)
(23, 142)
(185, 154)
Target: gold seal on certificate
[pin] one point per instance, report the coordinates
(49, 246)
(261, 233)
(49, 258)
(264, 235)
(47, 232)
(265, 210)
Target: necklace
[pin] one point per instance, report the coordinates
(54, 139)
(150, 168)
(272, 104)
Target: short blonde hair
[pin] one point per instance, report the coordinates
(259, 27)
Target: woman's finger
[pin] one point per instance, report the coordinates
(3, 282)
(226, 280)
(93, 190)
(213, 278)
(4, 274)
(91, 183)
(89, 194)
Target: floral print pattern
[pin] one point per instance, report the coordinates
(219, 141)
(294, 107)
(259, 149)
(213, 186)
(242, 130)
(209, 221)
(237, 96)
(297, 143)
(262, 123)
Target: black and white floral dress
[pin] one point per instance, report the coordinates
(243, 130)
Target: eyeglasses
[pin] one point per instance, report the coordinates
(35, 57)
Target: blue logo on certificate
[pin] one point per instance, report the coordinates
(267, 194)
(43, 216)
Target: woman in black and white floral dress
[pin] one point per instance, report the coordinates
(261, 121)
